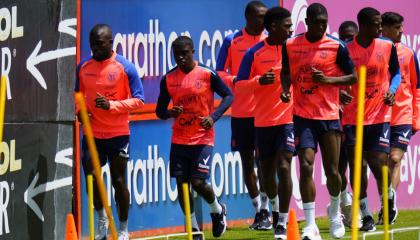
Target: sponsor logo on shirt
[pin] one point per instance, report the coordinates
(112, 76)
(308, 91)
(183, 121)
(371, 95)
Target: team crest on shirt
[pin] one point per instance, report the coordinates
(112, 76)
(198, 84)
(380, 57)
(323, 54)
(401, 60)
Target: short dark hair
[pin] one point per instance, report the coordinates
(251, 6)
(365, 15)
(391, 18)
(94, 31)
(275, 14)
(183, 41)
(316, 9)
(347, 24)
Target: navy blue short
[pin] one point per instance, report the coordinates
(243, 134)
(190, 161)
(308, 131)
(400, 136)
(271, 139)
(375, 137)
(107, 149)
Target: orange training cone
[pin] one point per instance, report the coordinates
(71, 233)
(292, 226)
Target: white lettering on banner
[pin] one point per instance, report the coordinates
(410, 167)
(4, 202)
(151, 52)
(217, 161)
(233, 159)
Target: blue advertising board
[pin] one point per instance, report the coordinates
(143, 33)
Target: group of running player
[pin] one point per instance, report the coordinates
(287, 95)
(291, 94)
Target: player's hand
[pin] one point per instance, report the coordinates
(176, 111)
(318, 76)
(102, 102)
(285, 97)
(206, 122)
(267, 78)
(79, 116)
(389, 98)
(345, 97)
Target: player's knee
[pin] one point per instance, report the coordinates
(198, 184)
(118, 183)
(394, 159)
(306, 169)
(284, 168)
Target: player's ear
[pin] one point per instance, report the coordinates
(273, 27)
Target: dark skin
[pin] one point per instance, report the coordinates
(101, 46)
(347, 34)
(280, 162)
(330, 141)
(255, 21)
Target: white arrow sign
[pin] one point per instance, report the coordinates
(35, 59)
(32, 191)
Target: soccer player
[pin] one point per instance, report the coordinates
(346, 33)
(260, 73)
(317, 64)
(191, 87)
(242, 121)
(112, 88)
(405, 111)
(382, 80)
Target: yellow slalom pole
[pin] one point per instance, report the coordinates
(2, 104)
(90, 206)
(186, 193)
(385, 201)
(95, 162)
(358, 150)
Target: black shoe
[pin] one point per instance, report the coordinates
(264, 223)
(392, 208)
(197, 236)
(368, 224)
(280, 232)
(256, 223)
(219, 222)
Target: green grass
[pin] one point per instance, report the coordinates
(405, 219)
